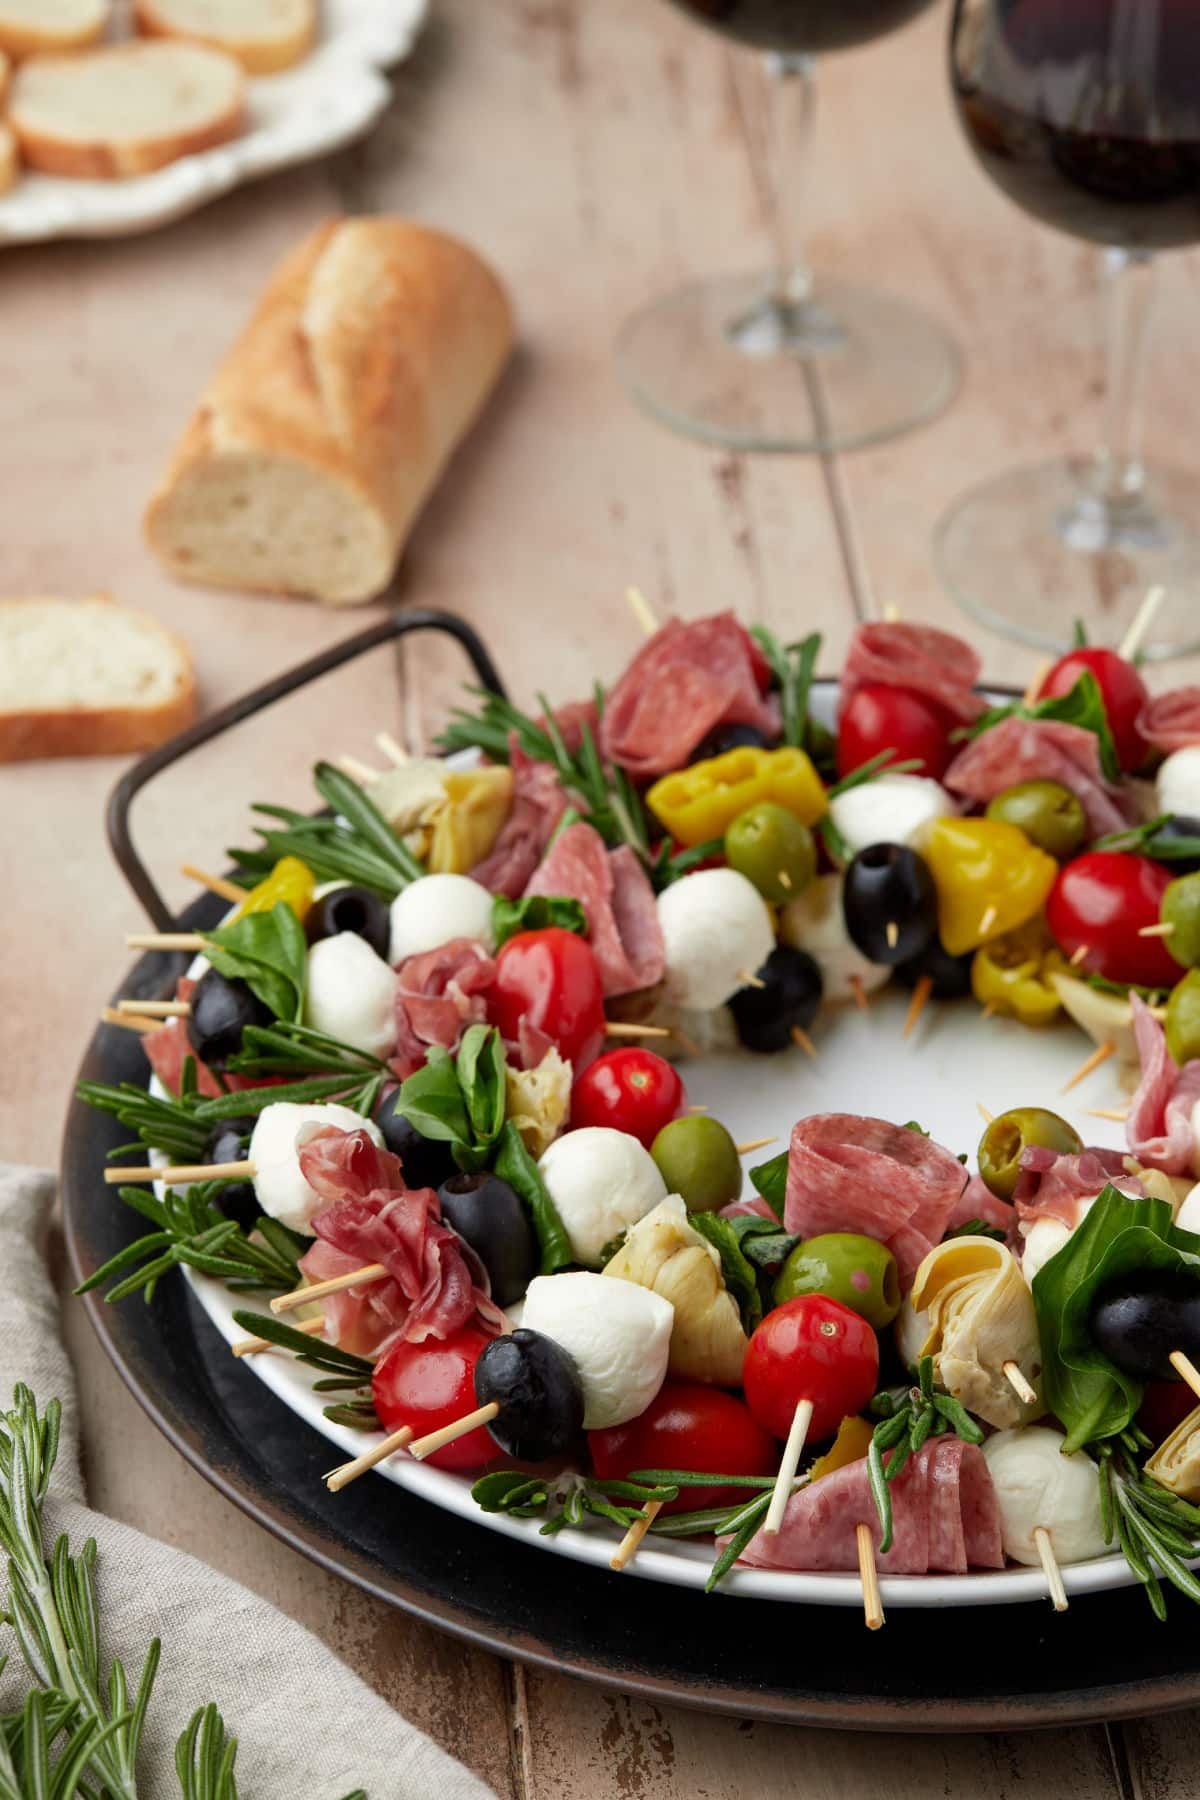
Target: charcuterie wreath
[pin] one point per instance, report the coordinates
(439, 1122)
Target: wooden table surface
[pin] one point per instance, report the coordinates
(596, 153)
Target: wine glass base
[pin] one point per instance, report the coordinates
(1030, 552)
(721, 361)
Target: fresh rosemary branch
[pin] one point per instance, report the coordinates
(355, 844)
(904, 1424)
(792, 665)
(1153, 1527)
(571, 1497)
(191, 1229)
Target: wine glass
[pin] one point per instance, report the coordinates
(1087, 114)
(788, 361)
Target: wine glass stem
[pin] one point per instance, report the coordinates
(1118, 472)
(792, 120)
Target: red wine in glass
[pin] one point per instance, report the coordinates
(808, 26)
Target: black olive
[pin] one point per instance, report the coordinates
(487, 1213)
(728, 737)
(951, 974)
(226, 1144)
(1179, 827)
(789, 998)
(221, 1010)
(889, 903)
(1138, 1325)
(354, 909)
(536, 1385)
(427, 1162)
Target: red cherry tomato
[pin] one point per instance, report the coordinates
(810, 1348)
(1165, 1404)
(630, 1090)
(1102, 900)
(431, 1384)
(878, 717)
(552, 979)
(1122, 690)
(688, 1426)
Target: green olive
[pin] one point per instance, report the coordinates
(1183, 1019)
(773, 849)
(1180, 907)
(858, 1271)
(1009, 1133)
(1048, 813)
(698, 1159)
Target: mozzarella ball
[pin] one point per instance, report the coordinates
(279, 1134)
(1188, 1216)
(617, 1333)
(892, 809)
(601, 1181)
(1046, 1237)
(1037, 1485)
(715, 928)
(351, 993)
(431, 911)
(1178, 783)
(814, 921)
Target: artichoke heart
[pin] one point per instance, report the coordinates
(410, 798)
(538, 1100)
(1176, 1462)
(662, 1252)
(478, 801)
(981, 1316)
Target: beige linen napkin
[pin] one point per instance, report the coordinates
(305, 1724)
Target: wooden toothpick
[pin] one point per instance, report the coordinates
(177, 1173)
(336, 1283)
(1098, 1056)
(1054, 1580)
(1141, 622)
(868, 1574)
(627, 1549)
(216, 884)
(755, 1144)
(1015, 1377)
(642, 610)
(916, 1006)
(370, 1459)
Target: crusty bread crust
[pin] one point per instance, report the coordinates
(10, 161)
(257, 55)
(20, 38)
(372, 350)
(5, 74)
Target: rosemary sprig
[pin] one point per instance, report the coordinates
(1153, 1527)
(905, 1421)
(571, 1497)
(342, 1371)
(190, 1228)
(792, 665)
(357, 844)
(1147, 840)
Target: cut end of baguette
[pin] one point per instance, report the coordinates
(31, 27)
(264, 35)
(124, 111)
(10, 159)
(88, 678)
(270, 524)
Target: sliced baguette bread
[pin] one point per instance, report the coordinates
(10, 161)
(264, 35)
(88, 678)
(125, 110)
(29, 27)
(329, 422)
(5, 74)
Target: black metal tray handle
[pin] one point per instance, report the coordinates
(396, 625)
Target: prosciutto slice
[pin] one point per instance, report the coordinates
(933, 663)
(1040, 750)
(978, 1202)
(1051, 1186)
(944, 1518)
(1171, 721)
(616, 897)
(847, 1173)
(438, 994)
(371, 1217)
(685, 680)
(538, 804)
(1158, 1128)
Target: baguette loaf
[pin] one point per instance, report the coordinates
(28, 27)
(332, 417)
(10, 161)
(125, 110)
(264, 35)
(88, 678)
(5, 74)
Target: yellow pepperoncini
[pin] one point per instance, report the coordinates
(851, 1444)
(477, 803)
(697, 803)
(989, 879)
(290, 881)
(1011, 975)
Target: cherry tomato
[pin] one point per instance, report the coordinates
(630, 1090)
(1102, 900)
(1165, 1404)
(552, 979)
(1121, 688)
(431, 1384)
(811, 1348)
(688, 1426)
(878, 717)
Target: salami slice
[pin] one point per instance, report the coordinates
(933, 663)
(847, 1173)
(615, 893)
(685, 680)
(1171, 721)
(538, 804)
(979, 1202)
(1040, 750)
(1158, 1128)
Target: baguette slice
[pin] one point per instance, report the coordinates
(124, 111)
(10, 161)
(264, 35)
(29, 27)
(88, 678)
(329, 422)
(5, 74)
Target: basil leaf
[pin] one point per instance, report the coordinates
(515, 1165)
(268, 951)
(740, 1278)
(432, 1101)
(770, 1179)
(536, 912)
(1084, 706)
(762, 1243)
(480, 1073)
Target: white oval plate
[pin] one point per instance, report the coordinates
(332, 97)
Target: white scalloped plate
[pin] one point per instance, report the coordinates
(332, 97)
